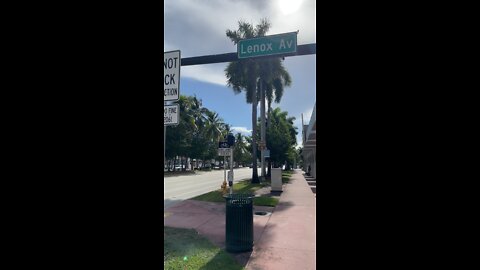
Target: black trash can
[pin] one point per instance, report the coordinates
(239, 222)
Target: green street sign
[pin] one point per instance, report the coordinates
(268, 45)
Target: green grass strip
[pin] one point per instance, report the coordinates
(186, 249)
(240, 187)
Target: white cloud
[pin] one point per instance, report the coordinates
(205, 73)
(197, 28)
(242, 130)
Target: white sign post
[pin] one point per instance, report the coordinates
(230, 173)
(171, 76)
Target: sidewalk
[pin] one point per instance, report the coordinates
(289, 239)
(283, 240)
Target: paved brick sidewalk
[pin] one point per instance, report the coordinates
(288, 241)
(283, 240)
(208, 219)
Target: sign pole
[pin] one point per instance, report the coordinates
(164, 142)
(171, 92)
(224, 170)
(262, 129)
(231, 168)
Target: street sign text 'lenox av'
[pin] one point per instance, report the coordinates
(268, 45)
(171, 74)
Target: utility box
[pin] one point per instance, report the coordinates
(276, 179)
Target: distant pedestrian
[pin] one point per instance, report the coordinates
(309, 169)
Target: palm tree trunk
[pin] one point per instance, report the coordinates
(255, 179)
(262, 132)
(269, 122)
(269, 171)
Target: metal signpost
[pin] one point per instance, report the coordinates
(224, 150)
(171, 92)
(268, 45)
(230, 173)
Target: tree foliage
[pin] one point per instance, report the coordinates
(281, 138)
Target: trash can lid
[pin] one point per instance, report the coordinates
(239, 196)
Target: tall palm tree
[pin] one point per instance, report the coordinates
(214, 126)
(249, 75)
(274, 78)
(240, 149)
(198, 112)
(226, 130)
(180, 135)
(277, 79)
(243, 75)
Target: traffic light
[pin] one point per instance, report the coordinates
(231, 139)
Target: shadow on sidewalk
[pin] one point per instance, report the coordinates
(242, 261)
(243, 257)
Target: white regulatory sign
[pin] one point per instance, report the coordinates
(171, 114)
(171, 75)
(224, 152)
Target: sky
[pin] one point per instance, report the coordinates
(197, 28)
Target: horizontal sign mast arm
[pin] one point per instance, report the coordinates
(305, 49)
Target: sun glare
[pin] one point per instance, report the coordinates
(289, 6)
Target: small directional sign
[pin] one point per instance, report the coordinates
(223, 145)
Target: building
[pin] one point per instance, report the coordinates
(309, 138)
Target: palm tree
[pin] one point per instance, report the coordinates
(274, 78)
(277, 79)
(249, 75)
(226, 130)
(179, 137)
(243, 75)
(240, 149)
(214, 126)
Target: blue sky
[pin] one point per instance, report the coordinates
(198, 28)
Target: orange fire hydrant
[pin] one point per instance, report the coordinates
(224, 187)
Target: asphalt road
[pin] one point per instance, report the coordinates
(179, 188)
